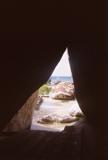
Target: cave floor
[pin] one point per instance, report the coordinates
(50, 107)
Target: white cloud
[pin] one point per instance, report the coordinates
(63, 67)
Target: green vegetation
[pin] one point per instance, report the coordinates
(44, 90)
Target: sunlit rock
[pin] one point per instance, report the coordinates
(63, 90)
(23, 118)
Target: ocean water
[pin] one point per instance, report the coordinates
(65, 79)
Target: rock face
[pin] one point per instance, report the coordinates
(39, 100)
(31, 44)
(22, 119)
(63, 91)
(52, 118)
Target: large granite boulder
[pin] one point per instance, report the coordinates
(52, 118)
(63, 91)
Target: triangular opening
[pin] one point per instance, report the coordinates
(57, 107)
(53, 105)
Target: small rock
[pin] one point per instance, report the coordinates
(69, 119)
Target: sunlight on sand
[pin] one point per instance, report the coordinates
(54, 107)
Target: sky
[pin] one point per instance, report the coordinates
(63, 67)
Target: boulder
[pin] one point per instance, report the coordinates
(55, 118)
(63, 91)
(46, 119)
(69, 119)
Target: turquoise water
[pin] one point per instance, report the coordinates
(65, 79)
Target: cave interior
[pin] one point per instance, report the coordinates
(33, 40)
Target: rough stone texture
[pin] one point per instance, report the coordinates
(71, 144)
(32, 42)
(51, 118)
(63, 90)
(23, 118)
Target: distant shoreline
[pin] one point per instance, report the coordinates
(61, 78)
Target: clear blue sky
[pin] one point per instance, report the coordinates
(63, 67)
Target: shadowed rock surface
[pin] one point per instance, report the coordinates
(33, 37)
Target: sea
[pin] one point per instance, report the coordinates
(59, 78)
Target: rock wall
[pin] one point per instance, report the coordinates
(32, 42)
(23, 118)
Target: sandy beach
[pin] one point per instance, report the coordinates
(50, 106)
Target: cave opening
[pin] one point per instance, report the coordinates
(56, 105)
